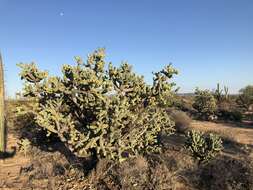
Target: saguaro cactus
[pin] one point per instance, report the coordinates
(218, 93)
(2, 115)
(221, 94)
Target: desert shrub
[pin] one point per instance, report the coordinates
(227, 173)
(234, 115)
(203, 147)
(204, 103)
(229, 110)
(134, 174)
(161, 177)
(245, 99)
(181, 119)
(104, 176)
(167, 170)
(156, 171)
(184, 104)
(109, 113)
(131, 174)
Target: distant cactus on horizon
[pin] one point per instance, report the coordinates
(221, 94)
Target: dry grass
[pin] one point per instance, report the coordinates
(181, 119)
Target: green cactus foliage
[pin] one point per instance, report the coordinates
(221, 94)
(204, 103)
(226, 94)
(203, 147)
(2, 108)
(109, 112)
(245, 98)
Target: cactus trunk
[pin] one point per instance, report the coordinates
(2, 115)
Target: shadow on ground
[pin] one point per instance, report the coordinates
(7, 155)
(38, 138)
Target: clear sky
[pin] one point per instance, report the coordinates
(209, 41)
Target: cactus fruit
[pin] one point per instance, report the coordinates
(109, 113)
(2, 114)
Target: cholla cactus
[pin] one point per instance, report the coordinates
(110, 112)
(203, 148)
(204, 103)
(2, 114)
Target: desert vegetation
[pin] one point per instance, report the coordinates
(103, 127)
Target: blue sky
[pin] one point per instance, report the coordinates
(208, 41)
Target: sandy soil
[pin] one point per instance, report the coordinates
(241, 133)
(11, 167)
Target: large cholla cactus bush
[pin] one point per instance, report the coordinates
(110, 112)
(204, 103)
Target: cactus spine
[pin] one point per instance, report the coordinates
(2, 115)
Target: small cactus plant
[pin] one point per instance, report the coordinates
(2, 109)
(108, 113)
(203, 147)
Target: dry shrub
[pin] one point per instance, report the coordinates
(181, 119)
(103, 176)
(45, 165)
(179, 161)
(131, 174)
(225, 173)
(167, 170)
(51, 170)
(134, 174)
(185, 104)
(228, 111)
(161, 178)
